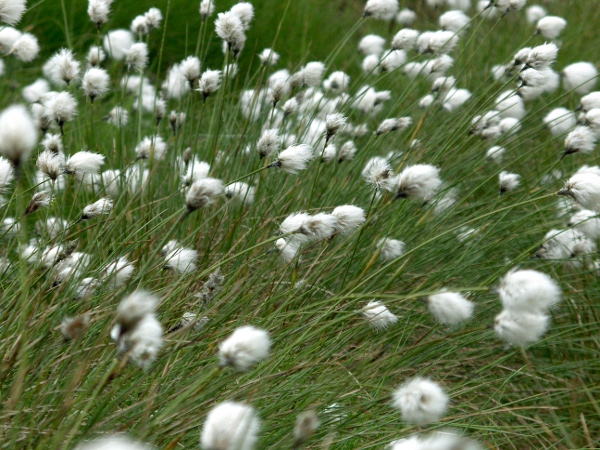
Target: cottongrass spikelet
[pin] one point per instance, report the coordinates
(203, 193)
(118, 117)
(269, 56)
(117, 42)
(84, 163)
(113, 442)
(268, 143)
(580, 77)
(181, 260)
(118, 272)
(39, 200)
(421, 401)
(294, 158)
(64, 67)
(318, 227)
(7, 174)
(246, 347)
(508, 181)
(420, 181)
(405, 39)
(287, 250)
(151, 147)
(230, 426)
(371, 44)
(95, 56)
(348, 218)
(60, 108)
(587, 222)
(580, 140)
(559, 121)
(347, 151)
(535, 13)
(209, 82)
(389, 125)
(11, 11)
(583, 188)
(240, 191)
(381, 9)
(337, 82)
(230, 28)
(450, 308)
(73, 327)
(378, 316)
(245, 11)
(542, 56)
(307, 423)
(136, 57)
(98, 11)
(528, 291)
(454, 21)
(390, 249)
(551, 26)
(95, 83)
(392, 60)
(34, 91)
(519, 328)
(207, 8)
(26, 48)
(378, 173)
(406, 17)
(212, 287)
(495, 154)
(18, 134)
(333, 123)
(190, 69)
(101, 207)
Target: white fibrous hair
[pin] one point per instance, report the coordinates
(580, 140)
(454, 21)
(113, 442)
(151, 147)
(51, 164)
(207, 8)
(551, 26)
(567, 245)
(230, 28)
(587, 222)
(559, 121)
(496, 154)
(246, 347)
(405, 39)
(245, 11)
(406, 16)
(390, 249)
(268, 143)
(269, 56)
(95, 83)
(181, 260)
(7, 174)
(450, 308)
(420, 181)
(389, 125)
(421, 401)
(190, 69)
(294, 158)
(287, 250)
(60, 108)
(347, 151)
(378, 173)
(118, 116)
(98, 11)
(18, 134)
(382, 9)
(580, 77)
(230, 426)
(371, 44)
(84, 163)
(209, 82)
(136, 57)
(34, 91)
(101, 207)
(528, 291)
(203, 192)
(333, 123)
(11, 11)
(118, 272)
(349, 218)
(519, 328)
(542, 56)
(241, 191)
(508, 181)
(63, 67)
(378, 316)
(318, 227)
(117, 42)
(26, 47)
(95, 55)
(307, 423)
(337, 82)
(584, 188)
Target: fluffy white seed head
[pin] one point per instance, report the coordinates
(390, 249)
(11, 11)
(207, 8)
(246, 347)
(95, 83)
(118, 272)
(559, 121)
(190, 69)
(230, 426)
(18, 133)
(117, 42)
(528, 291)
(534, 13)
(60, 108)
(51, 164)
(203, 193)
(421, 401)
(26, 47)
(318, 227)
(389, 125)
(347, 151)
(269, 56)
(136, 57)
(508, 181)
(98, 10)
(378, 316)
(7, 173)
(587, 222)
(118, 117)
(241, 191)
(84, 163)
(181, 260)
(268, 143)
(580, 77)
(337, 82)
(63, 67)
(420, 181)
(405, 39)
(406, 17)
(371, 44)
(294, 158)
(101, 207)
(245, 11)
(381, 9)
(580, 140)
(496, 154)
(348, 218)
(230, 28)
(551, 26)
(450, 308)
(378, 173)
(209, 82)
(519, 328)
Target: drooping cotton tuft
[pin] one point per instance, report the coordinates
(520, 328)
(230, 426)
(202, 193)
(381, 9)
(101, 207)
(136, 57)
(95, 83)
(230, 28)
(269, 56)
(18, 134)
(551, 26)
(294, 158)
(268, 143)
(584, 188)
(26, 47)
(390, 248)
(420, 181)
(98, 11)
(389, 125)
(580, 77)
(151, 147)
(450, 308)
(241, 191)
(181, 260)
(51, 164)
(580, 140)
(11, 11)
(207, 8)
(378, 173)
(378, 316)
(508, 181)
(84, 163)
(209, 82)
(559, 121)
(421, 401)
(333, 123)
(528, 291)
(349, 218)
(587, 222)
(246, 347)
(117, 42)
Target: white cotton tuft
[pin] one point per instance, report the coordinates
(136, 57)
(420, 181)
(118, 272)
(11, 11)
(406, 16)
(209, 82)
(559, 121)
(318, 227)
(294, 158)
(371, 44)
(508, 104)
(241, 191)
(98, 11)
(26, 47)
(203, 192)
(534, 13)
(349, 218)
(528, 291)
(63, 67)
(450, 308)
(230, 426)
(246, 347)
(287, 250)
(587, 222)
(95, 83)
(421, 401)
(207, 8)
(117, 42)
(18, 134)
(151, 147)
(378, 316)
(551, 26)
(230, 28)
(454, 21)
(84, 163)
(580, 77)
(580, 140)
(101, 207)
(181, 260)
(508, 181)
(113, 442)
(378, 173)
(269, 56)
(519, 328)
(496, 154)
(381, 9)
(390, 249)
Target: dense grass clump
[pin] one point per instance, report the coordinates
(341, 242)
